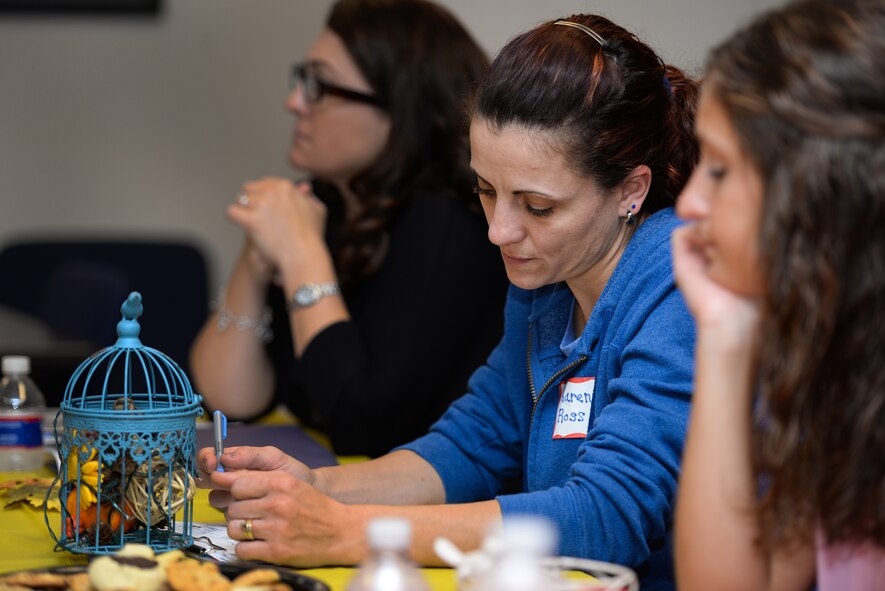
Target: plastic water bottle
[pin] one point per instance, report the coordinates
(388, 566)
(21, 417)
(516, 550)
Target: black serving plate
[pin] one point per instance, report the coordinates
(297, 581)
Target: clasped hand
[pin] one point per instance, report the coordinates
(292, 522)
(285, 223)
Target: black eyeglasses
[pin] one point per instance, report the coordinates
(315, 88)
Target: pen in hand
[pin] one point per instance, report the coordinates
(219, 422)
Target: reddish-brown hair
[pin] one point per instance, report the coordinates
(615, 106)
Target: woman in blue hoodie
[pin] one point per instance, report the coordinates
(580, 139)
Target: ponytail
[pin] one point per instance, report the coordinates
(680, 147)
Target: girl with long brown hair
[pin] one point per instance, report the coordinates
(783, 267)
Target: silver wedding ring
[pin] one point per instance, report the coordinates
(243, 199)
(247, 530)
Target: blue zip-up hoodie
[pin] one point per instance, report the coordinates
(611, 492)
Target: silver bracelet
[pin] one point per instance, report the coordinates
(260, 325)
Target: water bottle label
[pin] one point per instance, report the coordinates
(21, 432)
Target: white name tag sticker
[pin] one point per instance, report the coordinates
(575, 403)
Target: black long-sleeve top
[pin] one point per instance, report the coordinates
(419, 328)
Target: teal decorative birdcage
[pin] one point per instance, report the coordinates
(127, 446)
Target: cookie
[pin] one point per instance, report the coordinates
(115, 573)
(35, 580)
(79, 582)
(167, 558)
(257, 577)
(131, 549)
(187, 575)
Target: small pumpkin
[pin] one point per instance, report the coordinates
(87, 516)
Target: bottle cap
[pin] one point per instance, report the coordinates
(16, 364)
(389, 533)
(528, 534)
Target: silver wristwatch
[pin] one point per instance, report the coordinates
(310, 293)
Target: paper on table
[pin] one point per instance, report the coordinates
(213, 537)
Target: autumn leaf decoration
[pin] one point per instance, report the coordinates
(29, 491)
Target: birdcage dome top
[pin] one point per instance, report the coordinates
(128, 378)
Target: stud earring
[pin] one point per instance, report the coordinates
(629, 219)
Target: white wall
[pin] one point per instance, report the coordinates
(148, 126)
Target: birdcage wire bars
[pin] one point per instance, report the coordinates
(127, 445)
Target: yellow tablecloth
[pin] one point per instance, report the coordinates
(25, 544)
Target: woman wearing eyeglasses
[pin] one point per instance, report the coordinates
(365, 299)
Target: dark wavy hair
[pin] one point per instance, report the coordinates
(804, 87)
(613, 107)
(423, 63)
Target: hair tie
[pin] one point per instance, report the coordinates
(584, 28)
(668, 86)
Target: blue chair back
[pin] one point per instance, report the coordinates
(75, 286)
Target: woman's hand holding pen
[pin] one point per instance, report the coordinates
(255, 459)
(289, 521)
